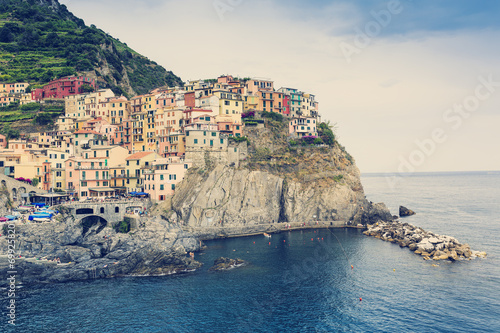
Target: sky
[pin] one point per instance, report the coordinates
(411, 86)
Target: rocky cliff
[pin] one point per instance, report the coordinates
(96, 251)
(276, 183)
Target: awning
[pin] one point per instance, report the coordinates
(102, 189)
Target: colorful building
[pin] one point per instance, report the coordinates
(60, 88)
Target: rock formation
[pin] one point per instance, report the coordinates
(224, 264)
(276, 183)
(99, 252)
(428, 244)
(403, 211)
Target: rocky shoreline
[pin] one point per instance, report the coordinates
(63, 251)
(429, 245)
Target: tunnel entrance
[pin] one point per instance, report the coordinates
(93, 224)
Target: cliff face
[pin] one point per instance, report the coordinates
(276, 183)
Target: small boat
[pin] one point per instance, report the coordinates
(267, 235)
(41, 219)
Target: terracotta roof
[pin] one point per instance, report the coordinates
(138, 155)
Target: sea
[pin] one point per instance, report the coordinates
(328, 280)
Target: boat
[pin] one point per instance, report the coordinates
(41, 219)
(267, 235)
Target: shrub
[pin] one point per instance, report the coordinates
(30, 107)
(238, 138)
(122, 227)
(338, 178)
(249, 114)
(318, 141)
(292, 143)
(272, 115)
(309, 139)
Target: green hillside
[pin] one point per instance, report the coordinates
(40, 40)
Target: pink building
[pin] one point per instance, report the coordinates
(229, 128)
(303, 126)
(160, 181)
(88, 177)
(60, 88)
(3, 141)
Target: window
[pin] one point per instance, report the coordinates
(195, 141)
(58, 174)
(185, 166)
(173, 187)
(84, 183)
(161, 187)
(58, 184)
(161, 177)
(71, 174)
(221, 141)
(62, 156)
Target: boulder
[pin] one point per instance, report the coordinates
(425, 246)
(453, 256)
(403, 211)
(224, 264)
(412, 246)
(434, 240)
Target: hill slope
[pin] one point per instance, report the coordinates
(41, 40)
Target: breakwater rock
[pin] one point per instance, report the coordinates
(403, 211)
(428, 244)
(224, 264)
(68, 250)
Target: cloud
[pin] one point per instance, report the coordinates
(392, 93)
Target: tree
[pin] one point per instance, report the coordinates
(42, 119)
(85, 88)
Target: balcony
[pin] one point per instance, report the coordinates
(86, 167)
(121, 175)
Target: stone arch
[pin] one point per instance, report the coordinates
(92, 224)
(4, 183)
(14, 193)
(21, 190)
(84, 211)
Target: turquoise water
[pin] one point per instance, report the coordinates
(303, 281)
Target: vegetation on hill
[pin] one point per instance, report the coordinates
(40, 40)
(40, 116)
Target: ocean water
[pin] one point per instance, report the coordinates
(303, 281)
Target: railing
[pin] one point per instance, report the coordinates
(80, 167)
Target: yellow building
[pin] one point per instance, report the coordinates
(251, 102)
(138, 133)
(230, 106)
(134, 169)
(117, 110)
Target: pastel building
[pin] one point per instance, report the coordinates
(163, 176)
(135, 165)
(303, 126)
